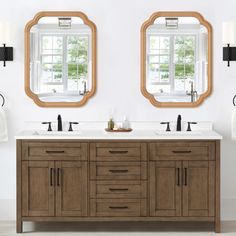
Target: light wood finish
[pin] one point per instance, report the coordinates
(33, 22)
(144, 27)
(118, 170)
(118, 152)
(186, 150)
(71, 188)
(165, 188)
(141, 186)
(118, 207)
(118, 189)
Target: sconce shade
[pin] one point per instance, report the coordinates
(229, 33)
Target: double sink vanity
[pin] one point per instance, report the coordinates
(148, 174)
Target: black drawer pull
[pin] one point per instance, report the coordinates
(182, 151)
(54, 152)
(118, 207)
(118, 171)
(118, 152)
(118, 189)
(51, 176)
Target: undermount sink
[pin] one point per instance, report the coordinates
(177, 133)
(56, 133)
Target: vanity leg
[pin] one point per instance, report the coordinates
(217, 226)
(19, 226)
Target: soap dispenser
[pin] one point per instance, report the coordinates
(125, 123)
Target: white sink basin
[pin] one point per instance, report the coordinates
(178, 133)
(56, 133)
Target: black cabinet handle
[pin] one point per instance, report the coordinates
(179, 152)
(51, 176)
(58, 176)
(118, 189)
(118, 152)
(178, 176)
(55, 152)
(118, 171)
(185, 177)
(118, 207)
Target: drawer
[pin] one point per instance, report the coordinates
(118, 207)
(182, 151)
(118, 170)
(54, 151)
(118, 189)
(118, 152)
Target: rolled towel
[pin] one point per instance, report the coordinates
(3, 126)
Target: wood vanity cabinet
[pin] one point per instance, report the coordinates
(118, 180)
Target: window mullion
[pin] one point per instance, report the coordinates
(172, 64)
(64, 64)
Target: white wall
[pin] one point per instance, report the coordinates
(118, 25)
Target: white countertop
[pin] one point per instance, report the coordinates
(137, 134)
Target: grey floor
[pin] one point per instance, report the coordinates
(113, 229)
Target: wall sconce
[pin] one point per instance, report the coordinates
(229, 39)
(6, 53)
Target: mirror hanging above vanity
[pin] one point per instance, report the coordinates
(60, 59)
(176, 59)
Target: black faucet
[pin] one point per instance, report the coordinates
(178, 127)
(59, 123)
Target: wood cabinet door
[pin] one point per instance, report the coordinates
(198, 188)
(165, 188)
(71, 188)
(38, 188)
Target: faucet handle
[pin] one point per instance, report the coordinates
(168, 125)
(49, 125)
(189, 125)
(72, 123)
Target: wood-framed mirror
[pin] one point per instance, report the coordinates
(60, 59)
(176, 59)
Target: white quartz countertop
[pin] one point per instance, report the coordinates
(141, 134)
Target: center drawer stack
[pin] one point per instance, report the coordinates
(118, 179)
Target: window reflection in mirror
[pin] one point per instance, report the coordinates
(61, 57)
(176, 59)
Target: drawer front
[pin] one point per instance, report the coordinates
(118, 170)
(118, 189)
(182, 151)
(118, 207)
(118, 152)
(54, 151)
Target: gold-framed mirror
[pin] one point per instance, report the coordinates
(60, 59)
(176, 59)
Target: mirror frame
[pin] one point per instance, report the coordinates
(144, 27)
(33, 22)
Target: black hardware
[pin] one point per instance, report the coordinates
(168, 125)
(72, 123)
(118, 171)
(118, 189)
(118, 152)
(179, 152)
(178, 126)
(118, 207)
(234, 100)
(229, 54)
(58, 176)
(54, 152)
(189, 125)
(51, 177)
(185, 177)
(178, 176)
(49, 125)
(6, 54)
(59, 123)
(3, 99)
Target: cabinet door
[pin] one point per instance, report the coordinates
(198, 188)
(71, 188)
(165, 188)
(38, 188)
